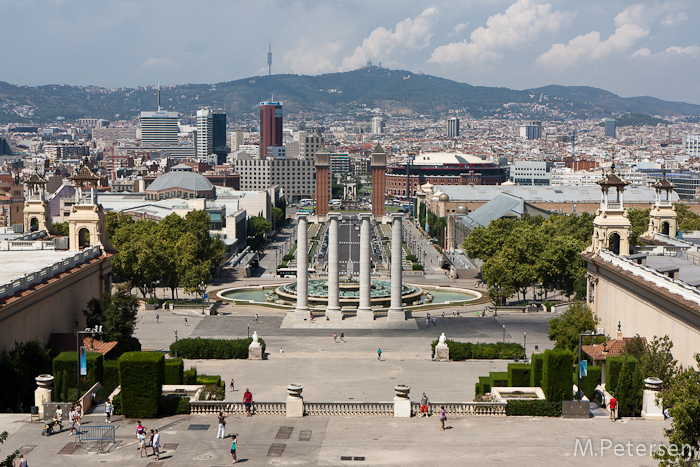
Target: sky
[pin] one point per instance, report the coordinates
(642, 48)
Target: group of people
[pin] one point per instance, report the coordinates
(221, 431)
(424, 402)
(335, 337)
(153, 440)
(74, 416)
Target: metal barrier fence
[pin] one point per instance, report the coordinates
(96, 437)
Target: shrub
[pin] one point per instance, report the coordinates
(485, 382)
(209, 379)
(141, 375)
(478, 389)
(629, 389)
(492, 351)
(534, 408)
(153, 301)
(519, 374)
(417, 267)
(65, 373)
(212, 392)
(190, 376)
(288, 257)
(117, 404)
(129, 344)
(174, 405)
(557, 377)
(613, 368)
(221, 349)
(411, 258)
(110, 378)
(591, 381)
(174, 369)
(536, 373)
(499, 379)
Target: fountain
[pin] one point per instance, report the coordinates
(349, 295)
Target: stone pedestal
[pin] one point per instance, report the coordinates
(651, 410)
(442, 352)
(364, 310)
(43, 393)
(255, 349)
(396, 311)
(295, 403)
(302, 309)
(333, 310)
(402, 404)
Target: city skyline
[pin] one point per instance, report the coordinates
(629, 48)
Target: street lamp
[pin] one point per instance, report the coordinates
(504, 333)
(525, 346)
(176, 343)
(92, 332)
(578, 381)
(248, 331)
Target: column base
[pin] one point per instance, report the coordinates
(295, 407)
(365, 315)
(402, 407)
(300, 314)
(396, 315)
(334, 314)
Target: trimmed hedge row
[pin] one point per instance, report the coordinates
(492, 351)
(174, 405)
(591, 381)
(557, 377)
(174, 371)
(534, 408)
(190, 376)
(110, 378)
(65, 372)
(519, 375)
(536, 374)
(613, 368)
(220, 349)
(141, 375)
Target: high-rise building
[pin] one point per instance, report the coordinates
(237, 140)
(270, 126)
(211, 134)
(532, 131)
(159, 128)
(377, 126)
(452, 127)
(691, 145)
(610, 128)
(309, 142)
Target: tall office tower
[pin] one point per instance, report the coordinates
(270, 126)
(219, 137)
(377, 126)
(237, 140)
(610, 129)
(452, 127)
(211, 134)
(309, 142)
(532, 131)
(159, 128)
(691, 145)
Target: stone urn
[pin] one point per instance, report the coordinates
(652, 384)
(44, 381)
(294, 390)
(43, 393)
(402, 391)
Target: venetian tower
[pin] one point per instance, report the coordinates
(37, 213)
(662, 217)
(86, 223)
(611, 226)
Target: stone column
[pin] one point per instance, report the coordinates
(295, 403)
(402, 404)
(364, 311)
(43, 393)
(651, 410)
(302, 310)
(396, 311)
(333, 312)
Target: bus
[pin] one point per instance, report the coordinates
(306, 202)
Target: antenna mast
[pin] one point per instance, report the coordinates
(269, 57)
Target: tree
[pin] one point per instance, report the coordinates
(657, 361)
(120, 310)
(687, 220)
(682, 398)
(639, 220)
(9, 460)
(278, 215)
(257, 226)
(61, 228)
(565, 329)
(19, 366)
(94, 314)
(628, 389)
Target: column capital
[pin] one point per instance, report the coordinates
(365, 215)
(302, 215)
(333, 216)
(396, 216)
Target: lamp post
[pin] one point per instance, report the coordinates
(88, 331)
(202, 290)
(248, 331)
(578, 381)
(504, 333)
(524, 346)
(176, 343)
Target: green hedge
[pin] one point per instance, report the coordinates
(536, 373)
(557, 377)
(411, 258)
(613, 367)
(591, 381)
(141, 375)
(485, 382)
(117, 404)
(174, 369)
(478, 389)
(65, 372)
(129, 344)
(209, 379)
(519, 375)
(220, 349)
(534, 408)
(495, 351)
(174, 405)
(190, 376)
(499, 379)
(110, 378)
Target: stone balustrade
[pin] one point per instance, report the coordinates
(259, 408)
(8, 289)
(349, 408)
(489, 409)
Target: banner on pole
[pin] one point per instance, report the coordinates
(583, 368)
(83, 361)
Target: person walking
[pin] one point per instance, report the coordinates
(434, 321)
(157, 318)
(78, 414)
(142, 444)
(424, 406)
(221, 432)
(71, 420)
(22, 461)
(342, 337)
(379, 354)
(150, 440)
(156, 445)
(443, 417)
(185, 322)
(612, 405)
(231, 385)
(427, 320)
(335, 337)
(234, 448)
(108, 411)
(248, 402)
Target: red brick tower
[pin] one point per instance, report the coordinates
(378, 165)
(323, 168)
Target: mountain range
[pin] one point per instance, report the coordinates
(394, 92)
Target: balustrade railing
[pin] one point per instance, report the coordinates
(490, 409)
(349, 408)
(258, 408)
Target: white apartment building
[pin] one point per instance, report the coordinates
(691, 145)
(531, 173)
(309, 142)
(296, 177)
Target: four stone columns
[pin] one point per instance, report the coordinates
(396, 311)
(364, 311)
(333, 312)
(302, 310)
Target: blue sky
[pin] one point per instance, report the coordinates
(629, 48)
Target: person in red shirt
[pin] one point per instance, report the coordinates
(612, 405)
(248, 402)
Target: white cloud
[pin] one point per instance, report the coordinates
(674, 50)
(643, 52)
(312, 59)
(672, 20)
(382, 43)
(458, 28)
(521, 23)
(631, 25)
(160, 63)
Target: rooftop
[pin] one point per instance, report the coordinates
(17, 263)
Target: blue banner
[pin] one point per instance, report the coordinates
(83, 362)
(583, 368)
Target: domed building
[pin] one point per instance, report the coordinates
(180, 182)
